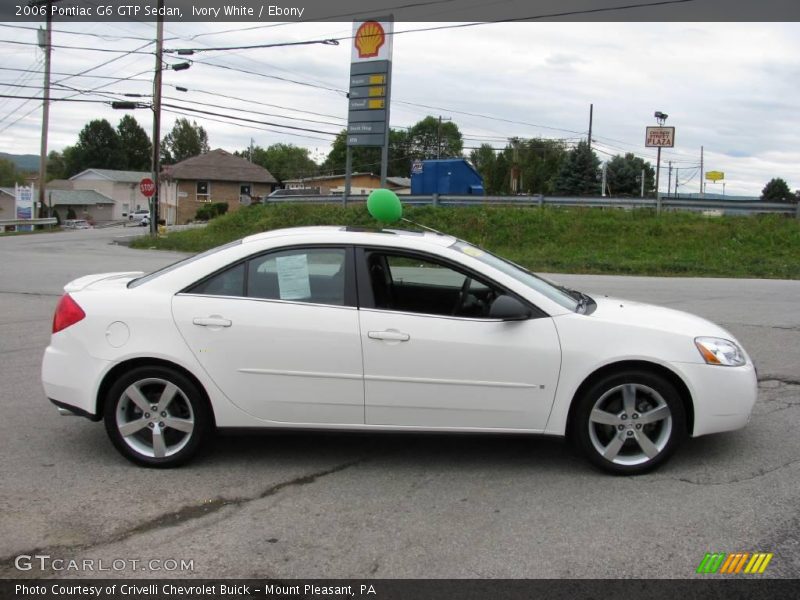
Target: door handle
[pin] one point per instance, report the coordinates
(390, 335)
(212, 321)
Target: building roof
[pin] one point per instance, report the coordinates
(396, 181)
(112, 175)
(76, 198)
(218, 165)
(8, 190)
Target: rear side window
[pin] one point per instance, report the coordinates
(314, 275)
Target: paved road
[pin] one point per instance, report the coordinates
(302, 505)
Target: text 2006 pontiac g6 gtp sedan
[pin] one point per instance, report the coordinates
(331, 328)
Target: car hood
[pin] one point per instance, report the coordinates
(650, 316)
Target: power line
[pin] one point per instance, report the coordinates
(71, 75)
(204, 112)
(255, 112)
(453, 26)
(109, 38)
(247, 126)
(84, 48)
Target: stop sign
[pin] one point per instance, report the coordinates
(147, 186)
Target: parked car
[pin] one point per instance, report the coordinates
(139, 214)
(330, 328)
(76, 224)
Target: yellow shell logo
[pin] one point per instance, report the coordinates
(369, 39)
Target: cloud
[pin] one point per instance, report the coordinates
(728, 87)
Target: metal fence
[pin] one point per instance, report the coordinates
(698, 205)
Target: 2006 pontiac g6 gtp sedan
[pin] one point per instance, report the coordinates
(337, 329)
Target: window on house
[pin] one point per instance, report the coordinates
(203, 193)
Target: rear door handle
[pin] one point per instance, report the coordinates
(390, 335)
(212, 321)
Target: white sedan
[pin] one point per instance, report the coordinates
(335, 329)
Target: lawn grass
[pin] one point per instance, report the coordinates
(573, 240)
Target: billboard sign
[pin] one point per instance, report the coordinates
(370, 82)
(660, 137)
(24, 205)
(715, 175)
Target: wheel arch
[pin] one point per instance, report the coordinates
(145, 361)
(641, 365)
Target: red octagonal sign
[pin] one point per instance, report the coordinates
(147, 186)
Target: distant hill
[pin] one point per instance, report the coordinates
(24, 162)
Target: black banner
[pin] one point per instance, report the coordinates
(743, 588)
(408, 11)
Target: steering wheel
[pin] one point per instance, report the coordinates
(462, 296)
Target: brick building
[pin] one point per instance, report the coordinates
(216, 176)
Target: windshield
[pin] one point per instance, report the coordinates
(544, 287)
(149, 277)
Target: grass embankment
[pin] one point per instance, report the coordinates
(557, 240)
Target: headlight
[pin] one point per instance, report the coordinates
(716, 351)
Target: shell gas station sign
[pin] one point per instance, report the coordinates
(370, 82)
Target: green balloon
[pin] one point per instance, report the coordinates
(384, 205)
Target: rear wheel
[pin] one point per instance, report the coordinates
(629, 422)
(156, 417)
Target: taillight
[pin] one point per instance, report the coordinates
(67, 313)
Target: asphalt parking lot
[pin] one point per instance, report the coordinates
(391, 506)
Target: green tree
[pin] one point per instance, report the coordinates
(284, 161)
(135, 145)
(9, 174)
(184, 141)
(56, 167)
(98, 147)
(367, 159)
(537, 161)
(578, 173)
(624, 176)
(777, 190)
(428, 139)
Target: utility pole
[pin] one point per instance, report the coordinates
(591, 114)
(156, 161)
(439, 137)
(46, 45)
(605, 180)
(676, 182)
(642, 183)
(702, 174)
(669, 181)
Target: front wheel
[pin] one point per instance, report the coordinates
(156, 417)
(629, 422)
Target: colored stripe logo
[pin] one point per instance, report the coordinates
(735, 563)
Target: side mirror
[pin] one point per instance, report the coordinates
(508, 308)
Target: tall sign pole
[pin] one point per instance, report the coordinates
(156, 161)
(370, 91)
(659, 137)
(46, 45)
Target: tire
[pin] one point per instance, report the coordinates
(168, 436)
(629, 422)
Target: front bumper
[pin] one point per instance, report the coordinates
(723, 396)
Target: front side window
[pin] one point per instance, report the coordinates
(408, 283)
(315, 275)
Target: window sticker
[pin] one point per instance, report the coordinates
(293, 280)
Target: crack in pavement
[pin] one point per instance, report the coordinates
(760, 473)
(184, 515)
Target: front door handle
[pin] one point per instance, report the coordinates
(212, 321)
(389, 335)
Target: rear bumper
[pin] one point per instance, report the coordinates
(70, 380)
(723, 396)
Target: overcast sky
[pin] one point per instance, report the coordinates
(730, 87)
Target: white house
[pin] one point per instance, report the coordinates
(121, 186)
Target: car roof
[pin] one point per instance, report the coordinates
(341, 234)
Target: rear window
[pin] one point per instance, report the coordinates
(150, 276)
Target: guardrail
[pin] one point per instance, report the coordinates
(17, 222)
(731, 206)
